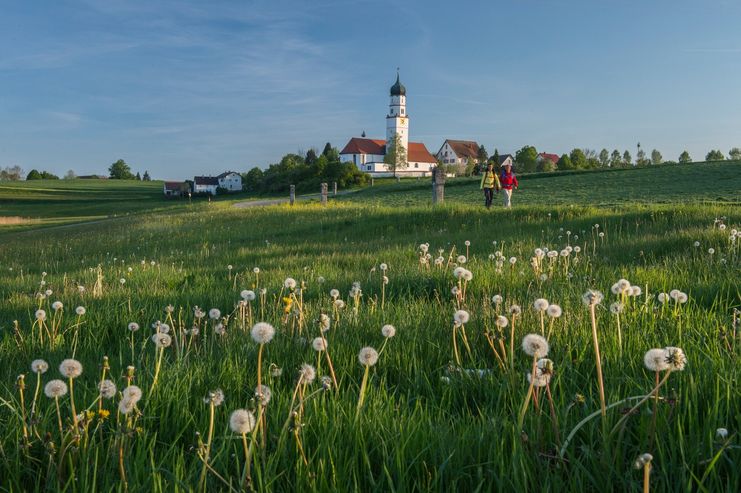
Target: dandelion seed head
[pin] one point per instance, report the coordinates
(55, 388)
(215, 397)
(368, 356)
(214, 313)
(263, 394)
(57, 305)
(662, 297)
(461, 317)
(339, 304)
(289, 283)
(616, 308)
(39, 366)
(242, 421)
(40, 315)
(161, 340)
(383, 267)
(334, 293)
(388, 331)
(163, 328)
(248, 295)
(711, 251)
(721, 433)
(70, 368)
(675, 358)
(501, 321)
(107, 389)
(541, 304)
(220, 330)
(307, 373)
(655, 360)
(577, 249)
(497, 299)
(535, 345)
(643, 460)
(461, 259)
(262, 332)
(592, 297)
(515, 310)
(133, 326)
(458, 272)
(553, 311)
(467, 275)
(126, 406)
(543, 277)
(319, 344)
(682, 297)
(674, 294)
(635, 291)
(541, 379)
(80, 310)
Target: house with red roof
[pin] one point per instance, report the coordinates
(368, 154)
(550, 157)
(458, 152)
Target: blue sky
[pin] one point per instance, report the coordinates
(195, 87)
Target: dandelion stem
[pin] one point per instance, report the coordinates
(646, 476)
(655, 391)
(207, 451)
(597, 360)
(363, 385)
(72, 403)
(156, 372)
(455, 346)
(523, 409)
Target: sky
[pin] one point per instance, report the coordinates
(180, 88)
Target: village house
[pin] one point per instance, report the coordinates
(176, 188)
(205, 184)
(230, 181)
(506, 159)
(458, 152)
(368, 154)
(546, 156)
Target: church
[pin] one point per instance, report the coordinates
(368, 154)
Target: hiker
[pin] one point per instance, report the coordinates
(489, 183)
(508, 181)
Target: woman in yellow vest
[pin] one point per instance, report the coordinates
(489, 183)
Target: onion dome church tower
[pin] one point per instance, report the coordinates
(397, 121)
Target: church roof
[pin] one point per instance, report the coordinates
(417, 152)
(398, 89)
(464, 148)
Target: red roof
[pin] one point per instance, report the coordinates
(173, 185)
(417, 152)
(551, 157)
(464, 148)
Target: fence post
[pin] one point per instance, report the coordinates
(371, 181)
(334, 185)
(293, 194)
(438, 185)
(324, 193)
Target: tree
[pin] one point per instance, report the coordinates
(471, 168)
(327, 150)
(527, 159)
(494, 158)
(70, 175)
(578, 159)
(565, 163)
(615, 159)
(120, 170)
(311, 157)
(146, 176)
(641, 158)
(45, 175)
(627, 158)
(138, 176)
(685, 157)
(546, 165)
(734, 154)
(714, 155)
(656, 157)
(12, 173)
(33, 175)
(252, 181)
(482, 154)
(396, 155)
(604, 157)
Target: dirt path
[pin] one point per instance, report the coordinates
(267, 202)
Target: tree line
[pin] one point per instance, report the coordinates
(307, 172)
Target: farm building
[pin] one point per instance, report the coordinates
(205, 184)
(176, 188)
(231, 181)
(458, 152)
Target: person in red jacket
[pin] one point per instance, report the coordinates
(508, 181)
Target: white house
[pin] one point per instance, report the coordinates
(205, 184)
(230, 181)
(368, 154)
(505, 159)
(458, 152)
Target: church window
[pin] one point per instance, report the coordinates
(402, 111)
(416, 165)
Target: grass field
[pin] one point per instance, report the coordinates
(432, 414)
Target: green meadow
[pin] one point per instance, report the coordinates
(447, 406)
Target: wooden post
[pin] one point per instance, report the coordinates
(398, 179)
(334, 185)
(371, 181)
(438, 185)
(324, 193)
(293, 194)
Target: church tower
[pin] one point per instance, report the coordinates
(397, 121)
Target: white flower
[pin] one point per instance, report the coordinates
(262, 332)
(163, 328)
(535, 345)
(662, 297)
(256, 270)
(307, 373)
(289, 283)
(126, 406)
(383, 267)
(458, 272)
(324, 322)
(467, 275)
(122, 281)
(107, 389)
(248, 295)
(461, 259)
(541, 304)
(319, 344)
(721, 433)
(467, 243)
(501, 321)
(242, 421)
(515, 310)
(133, 326)
(40, 315)
(39, 366)
(655, 360)
(497, 299)
(616, 308)
(339, 304)
(682, 297)
(635, 291)
(70, 368)
(368, 356)
(57, 305)
(623, 285)
(696, 244)
(162, 340)
(461, 317)
(674, 294)
(642, 460)
(80, 310)
(577, 249)
(512, 260)
(388, 331)
(229, 267)
(214, 313)
(334, 293)
(711, 251)
(424, 247)
(554, 311)
(55, 388)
